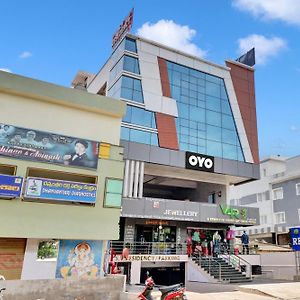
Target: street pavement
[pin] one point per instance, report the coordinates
(213, 291)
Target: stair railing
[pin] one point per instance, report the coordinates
(237, 262)
(210, 260)
(247, 265)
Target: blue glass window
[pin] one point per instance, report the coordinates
(230, 151)
(213, 89)
(205, 122)
(213, 103)
(229, 137)
(130, 45)
(131, 64)
(214, 133)
(214, 148)
(139, 116)
(132, 89)
(125, 133)
(139, 136)
(213, 118)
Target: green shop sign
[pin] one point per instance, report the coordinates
(234, 212)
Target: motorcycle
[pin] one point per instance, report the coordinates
(175, 291)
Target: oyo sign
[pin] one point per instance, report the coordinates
(200, 162)
(295, 238)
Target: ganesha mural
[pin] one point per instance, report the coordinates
(79, 259)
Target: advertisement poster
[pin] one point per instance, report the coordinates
(59, 190)
(79, 259)
(39, 146)
(10, 186)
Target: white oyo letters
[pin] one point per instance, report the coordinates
(200, 161)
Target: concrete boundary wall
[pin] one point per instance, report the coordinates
(108, 288)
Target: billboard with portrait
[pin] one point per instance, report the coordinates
(40, 146)
(79, 259)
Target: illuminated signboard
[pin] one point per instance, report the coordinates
(123, 29)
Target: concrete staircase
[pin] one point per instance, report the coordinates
(228, 273)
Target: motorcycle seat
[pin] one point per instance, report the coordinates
(170, 288)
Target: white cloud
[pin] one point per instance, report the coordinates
(5, 70)
(294, 128)
(265, 48)
(174, 35)
(25, 54)
(284, 10)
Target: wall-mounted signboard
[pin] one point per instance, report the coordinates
(58, 190)
(295, 238)
(40, 146)
(10, 186)
(199, 162)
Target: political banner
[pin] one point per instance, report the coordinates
(59, 190)
(10, 186)
(39, 146)
(295, 238)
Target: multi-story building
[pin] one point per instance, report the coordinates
(61, 172)
(276, 195)
(188, 134)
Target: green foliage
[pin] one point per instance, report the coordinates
(47, 249)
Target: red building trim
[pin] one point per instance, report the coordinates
(243, 83)
(166, 127)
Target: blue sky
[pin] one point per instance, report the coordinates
(52, 40)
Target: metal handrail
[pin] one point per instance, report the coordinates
(235, 261)
(150, 248)
(247, 265)
(209, 265)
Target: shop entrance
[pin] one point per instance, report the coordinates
(206, 242)
(156, 233)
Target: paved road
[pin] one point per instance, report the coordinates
(201, 287)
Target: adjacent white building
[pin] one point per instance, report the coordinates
(276, 194)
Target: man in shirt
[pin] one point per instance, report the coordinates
(245, 243)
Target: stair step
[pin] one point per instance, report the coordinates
(228, 273)
(240, 280)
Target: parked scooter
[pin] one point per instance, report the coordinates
(175, 291)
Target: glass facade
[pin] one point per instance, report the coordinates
(138, 124)
(139, 116)
(139, 136)
(205, 123)
(126, 63)
(127, 88)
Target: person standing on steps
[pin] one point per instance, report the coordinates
(245, 242)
